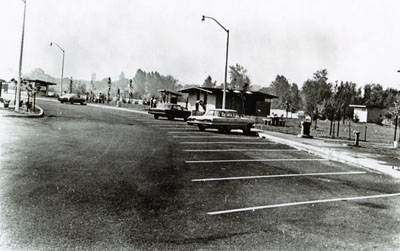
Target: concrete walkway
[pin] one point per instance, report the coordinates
(336, 151)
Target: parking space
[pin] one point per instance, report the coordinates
(255, 173)
(233, 173)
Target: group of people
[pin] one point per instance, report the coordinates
(92, 98)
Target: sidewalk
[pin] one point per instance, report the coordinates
(378, 157)
(22, 113)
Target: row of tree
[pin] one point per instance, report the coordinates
(318, 97)
(322, 99)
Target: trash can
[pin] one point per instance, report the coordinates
(356, 138)
(305, 128)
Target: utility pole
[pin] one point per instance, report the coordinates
(18, 94)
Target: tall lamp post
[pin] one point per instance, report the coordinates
(62, 69)
(18, 94)
(226, 59)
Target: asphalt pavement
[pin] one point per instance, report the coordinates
(112, 178)
(385, 161)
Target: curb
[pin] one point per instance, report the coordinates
(361, 160)
(23, 115)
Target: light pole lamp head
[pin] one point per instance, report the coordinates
(51, 43)
(203, 18)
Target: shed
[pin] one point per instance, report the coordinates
(365, 113)
(251, 103)
(167, 96)
(41, 86)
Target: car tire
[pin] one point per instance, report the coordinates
(155, 116)
(201, 128)
(72, 102)
(247, 130)
(171, 117)
(62, 102)
(224, 129)
(185, 118)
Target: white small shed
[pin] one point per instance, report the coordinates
(366, 113)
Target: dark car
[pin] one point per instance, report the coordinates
(72, 98)
(170, 111)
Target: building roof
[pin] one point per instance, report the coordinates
(169, 92)
(41, 82)
(219, 90)
(365, 106)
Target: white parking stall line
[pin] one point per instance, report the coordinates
(242, 150)
(379, 196)
(248, 160)
(214, 136)
(277, 176)
(176, 128)
(229, 142)
(196, 131)
(171, 126)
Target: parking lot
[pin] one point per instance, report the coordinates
(237, 157)
(136, 183)
(247, 183)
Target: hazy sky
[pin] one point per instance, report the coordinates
(355, 40)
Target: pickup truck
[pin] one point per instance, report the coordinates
(170, 111)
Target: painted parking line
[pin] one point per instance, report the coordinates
(242, 150)
(277, 176)
(379, 196)
(197, 131)
(229, 142)
(170, 126)
(214, 136)
(248, 160)
(175, 128)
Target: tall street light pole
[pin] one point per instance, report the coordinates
(18, 94)
(226, 59)
(62, 69)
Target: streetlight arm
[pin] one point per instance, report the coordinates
(51, 44)
(204, 17)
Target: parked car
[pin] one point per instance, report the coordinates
(72, 98)
(222, 119)
(170, 111)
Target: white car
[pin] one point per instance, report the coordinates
(222, 119)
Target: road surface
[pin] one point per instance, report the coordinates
(95, 178)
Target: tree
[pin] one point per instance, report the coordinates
(122, 76)
(92, 81)
(314, 92)
(295, 98)
(374, 95)
(208, 82)
(139, 83)
(238, 77)
(281, 88)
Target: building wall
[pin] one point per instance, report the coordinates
(253, 105)
(374, 114)
(210, 100)
(361, 114)
(192, 102)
